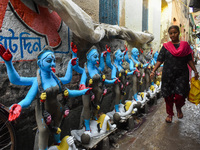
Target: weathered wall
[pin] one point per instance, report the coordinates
(122, 13)
(154, 22)
(174, 13)
(25, 31)
(165, 20)
(91, 7)
(133, 15)
(182, 18)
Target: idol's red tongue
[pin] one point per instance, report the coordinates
(122, 60)
(97, 62)
(53, 69)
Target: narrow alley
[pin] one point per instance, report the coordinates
(88, 75)
(155, 134)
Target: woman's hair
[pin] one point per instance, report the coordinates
(174, 27)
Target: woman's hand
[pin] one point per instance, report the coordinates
(196, 75)
(157, 65)
(152, 74)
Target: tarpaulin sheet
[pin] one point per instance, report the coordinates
(82, 25)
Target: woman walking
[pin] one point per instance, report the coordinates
(175, 55)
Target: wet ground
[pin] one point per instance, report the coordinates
(155, 134)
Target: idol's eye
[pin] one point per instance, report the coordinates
(95, 56)
(49, 60)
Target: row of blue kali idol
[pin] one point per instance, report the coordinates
(50, 111)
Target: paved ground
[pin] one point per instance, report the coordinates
(156, 134)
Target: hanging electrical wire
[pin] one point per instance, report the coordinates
(183, 3)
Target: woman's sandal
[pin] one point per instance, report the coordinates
(179, 114)
(169, 119)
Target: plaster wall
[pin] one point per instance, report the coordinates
(122, 12)
(154, 22)
(133, 18)
(165, 20)
(179, 12)
(25, 32)
(133, 14)
(91, 7)
(174, 13)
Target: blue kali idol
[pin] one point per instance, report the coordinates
(93, 76)
(49, 111)
(136, 65)
(117, 71)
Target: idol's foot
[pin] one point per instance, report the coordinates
(85, 137)
(116, 117)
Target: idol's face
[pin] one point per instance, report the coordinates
(119, 56)
(47, 61)
(135, 52)
(94, 57)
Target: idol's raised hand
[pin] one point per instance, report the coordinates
(15, 111)
(126, 50)
(74, 61)
(107, 51)
(5, 54)
(74, 48)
